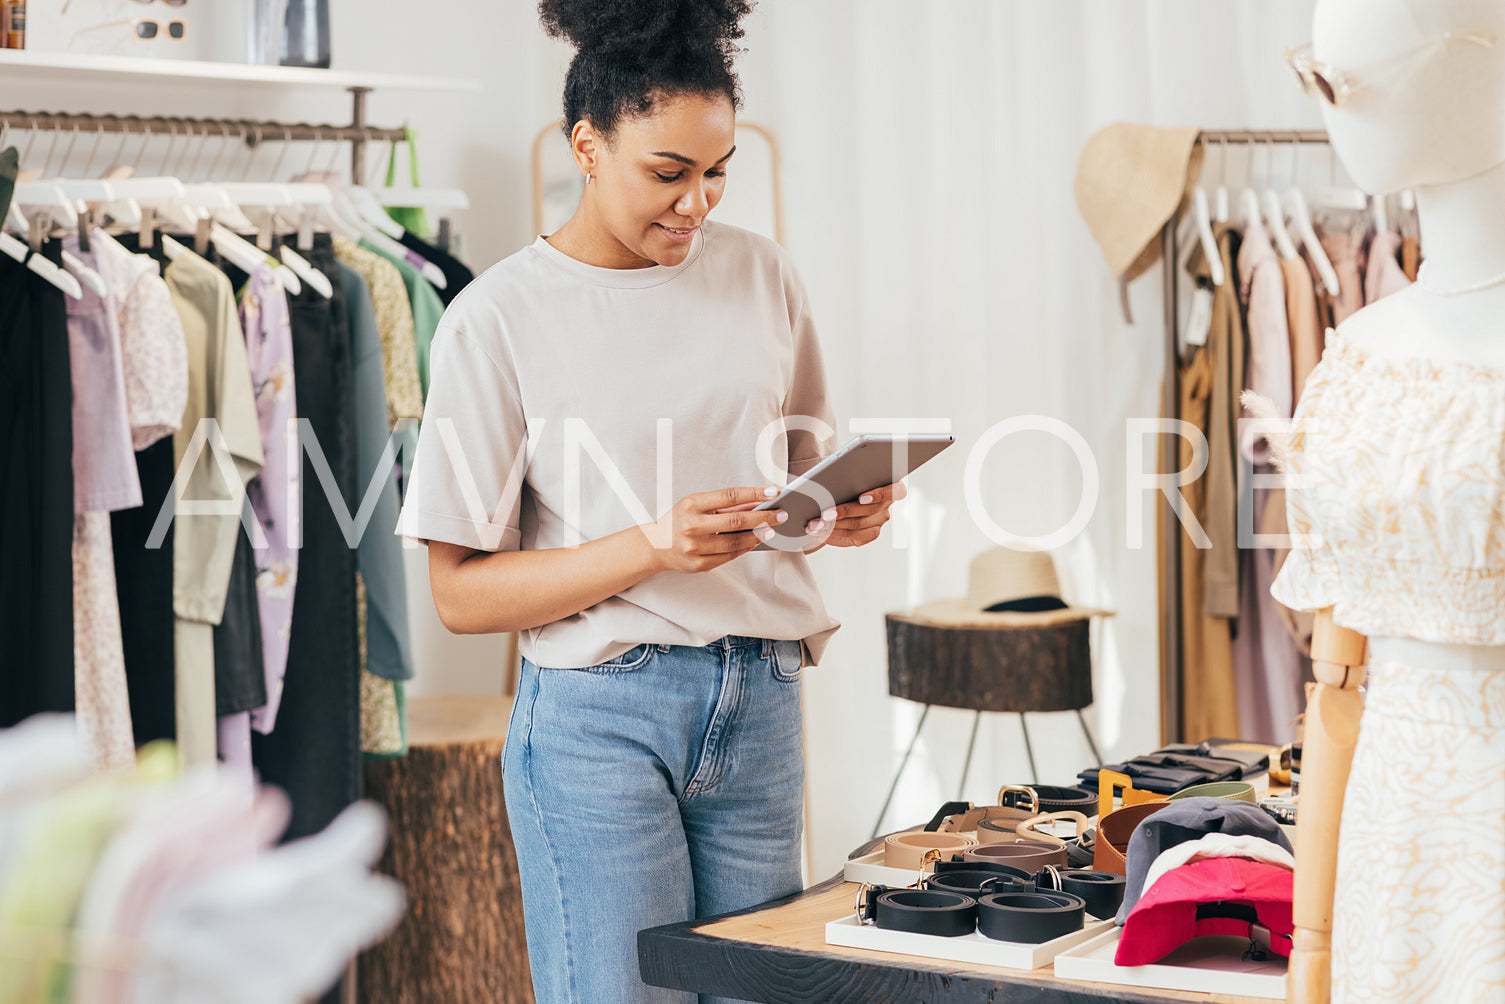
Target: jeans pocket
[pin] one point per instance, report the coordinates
(633, 658)
(785, 661)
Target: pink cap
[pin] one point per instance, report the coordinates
(1212, 896)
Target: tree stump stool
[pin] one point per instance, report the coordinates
(1015, 668)
(461, 940)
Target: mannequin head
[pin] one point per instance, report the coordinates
(1424, 110)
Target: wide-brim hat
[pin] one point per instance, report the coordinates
(1130, 180)
(1007, 588)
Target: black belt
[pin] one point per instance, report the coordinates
(1100, 892)
(1032, 918)
(918, 911)
(976, 881)
(1058, 799)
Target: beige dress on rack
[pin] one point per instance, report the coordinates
(1399, 466)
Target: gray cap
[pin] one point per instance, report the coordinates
(1189, 819)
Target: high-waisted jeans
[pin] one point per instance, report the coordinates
(663, 785)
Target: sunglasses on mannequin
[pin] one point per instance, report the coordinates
(1335, 86)
(144, 28)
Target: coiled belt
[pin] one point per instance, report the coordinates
(1029, 917)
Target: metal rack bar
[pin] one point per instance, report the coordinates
(252, 131)
(1172, 658)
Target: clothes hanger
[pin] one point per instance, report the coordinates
(1275, 216)
(1203, 222)
(1248, 199)
(1380, 214)
(1220, 197)
(1301, 223)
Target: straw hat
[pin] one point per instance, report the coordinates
(1007, 588)
(1130, 180)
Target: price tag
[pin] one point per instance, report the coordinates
(1199, 324)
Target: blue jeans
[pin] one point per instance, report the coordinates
(664, 785)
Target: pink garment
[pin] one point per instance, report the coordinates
(153, 348)
(1341, 233)
(100, 695)
(1385, 275)
(1267, 365)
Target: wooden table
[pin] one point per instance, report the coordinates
(777, 954)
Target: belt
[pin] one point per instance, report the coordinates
(1029, 856)
(1241, 791)
(904, 850)
(1016, 803)
(976, 881)
(1102, 892)
(1058, 799)
(1029, 917)
(918, 911)
(1078, 852)
(1113, 833)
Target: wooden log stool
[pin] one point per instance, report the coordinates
(1010, 645)
(462, 938)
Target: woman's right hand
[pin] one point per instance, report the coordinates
(707, 529)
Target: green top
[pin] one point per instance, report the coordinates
(427, 309)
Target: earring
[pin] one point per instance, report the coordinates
(587, 177)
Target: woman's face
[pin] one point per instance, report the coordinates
(665, 172)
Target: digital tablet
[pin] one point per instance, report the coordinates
(864, 463)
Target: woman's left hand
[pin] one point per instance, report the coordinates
(856, 523)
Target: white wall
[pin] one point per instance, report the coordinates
(928, 157)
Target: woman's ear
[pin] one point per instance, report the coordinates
(585, 144)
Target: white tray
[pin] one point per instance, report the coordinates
(870, 868)
(1204, 965)
(971, 948)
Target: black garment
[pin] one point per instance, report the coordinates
(240, 680)
(143, 585)
(314, 752)
(36, 495)
(456, 275)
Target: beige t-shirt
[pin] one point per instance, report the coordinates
(569, 402)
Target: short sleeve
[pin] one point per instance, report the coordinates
(1309, 579)
(466, 482)
(808, 398)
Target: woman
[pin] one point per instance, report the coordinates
(641, 354)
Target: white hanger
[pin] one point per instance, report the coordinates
(371, 213)
(1204, 235)
(1381, 217)
(84, 273)
(305, 271)
(220, 206)
(1275, 222)
(423, 198)
(47, 195)
(246, 256)
(167, 196)
(41, 266)
(1301, 220)
(1248, 207)
(1220, 197)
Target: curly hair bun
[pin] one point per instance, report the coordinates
(605, 27)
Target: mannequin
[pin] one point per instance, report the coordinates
(1425, 110)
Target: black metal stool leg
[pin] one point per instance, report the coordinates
(1096, 757)
(1028, 750)
(900, 772)
(967, 763)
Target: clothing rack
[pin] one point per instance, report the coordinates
(1171, 656)
(252, 132)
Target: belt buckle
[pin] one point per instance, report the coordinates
(860, 907)
(1019, 789)
(929, 857)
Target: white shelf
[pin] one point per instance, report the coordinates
(43, 66)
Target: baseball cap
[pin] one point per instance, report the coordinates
(1185, 820)
(1229, 896)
